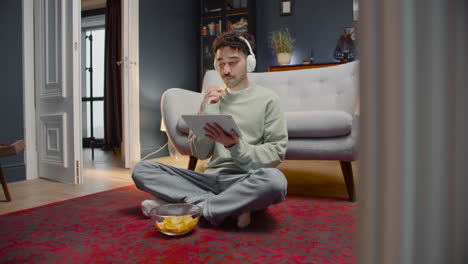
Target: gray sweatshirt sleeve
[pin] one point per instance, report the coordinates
(272, 152)
(202, 147)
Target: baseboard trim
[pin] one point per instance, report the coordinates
(14, 172)
(13, 165)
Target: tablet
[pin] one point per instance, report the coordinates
(197, 122)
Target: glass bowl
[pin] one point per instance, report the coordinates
(176, 219)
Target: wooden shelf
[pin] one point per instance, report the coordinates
(236, 12)
(214, 15)
(302, 66)
(232, 12)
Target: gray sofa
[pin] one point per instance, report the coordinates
(319, 105)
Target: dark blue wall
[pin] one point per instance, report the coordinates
(314, 24)
(169, 48)
(11, 90)
(169, 56)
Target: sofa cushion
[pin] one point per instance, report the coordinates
(182, 126)
(318, 124)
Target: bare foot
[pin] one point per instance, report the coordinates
(243, 220)
(148, 205)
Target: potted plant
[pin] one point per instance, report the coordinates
(282, 44)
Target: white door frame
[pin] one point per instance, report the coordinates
(30, 152)
(77, 140)
(130, 83)
(130, 80)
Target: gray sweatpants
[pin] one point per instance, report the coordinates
(225, 194)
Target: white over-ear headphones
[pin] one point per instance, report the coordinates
(251, 61)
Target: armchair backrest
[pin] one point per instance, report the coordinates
(174, 103)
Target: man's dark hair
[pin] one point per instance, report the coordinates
(231, 39)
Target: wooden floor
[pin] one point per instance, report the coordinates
(315, 178)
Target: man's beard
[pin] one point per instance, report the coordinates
(235, 81)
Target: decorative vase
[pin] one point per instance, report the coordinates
(284, 58)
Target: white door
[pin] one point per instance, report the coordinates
(57, 89)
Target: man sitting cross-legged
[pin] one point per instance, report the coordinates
(241, 176)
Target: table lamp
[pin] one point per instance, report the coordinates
(345, 50)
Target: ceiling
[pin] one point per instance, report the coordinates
(92, 4)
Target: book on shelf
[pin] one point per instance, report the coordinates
(213, 10)
(240, 26)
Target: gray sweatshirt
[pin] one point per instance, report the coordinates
(258, 114)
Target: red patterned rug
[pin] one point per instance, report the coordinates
(107, 228)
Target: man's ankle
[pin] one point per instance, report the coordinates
(243, 220)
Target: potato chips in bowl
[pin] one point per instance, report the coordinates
(176, 219)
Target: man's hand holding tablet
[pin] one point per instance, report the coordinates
(221, 128)
(216, 133)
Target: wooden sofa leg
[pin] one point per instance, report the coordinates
(4, 185)
(347, 170)
(192, 163)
